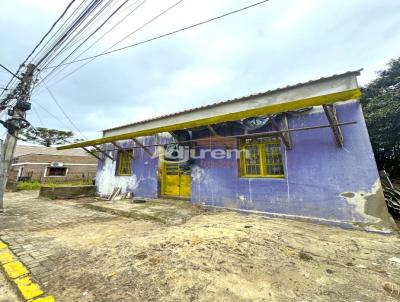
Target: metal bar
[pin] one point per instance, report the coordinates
(9, 71)
(229, 111)
(212, 130)
(174, 136)
(285, 126)
(122, 150)
(105, 153)
(285, 136)
(330, 112)
(144, 147)
(91, 153)
(214, 133)
(260, 134)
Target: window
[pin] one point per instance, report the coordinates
(124, 167)
(261, 157)
(56, 171)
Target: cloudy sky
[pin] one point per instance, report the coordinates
(275, 44)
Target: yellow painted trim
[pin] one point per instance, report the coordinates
(18, 274)
(6, 257)
(289, 105)
(28, 288)
(263, 164)
(15, 269)
(3, 245)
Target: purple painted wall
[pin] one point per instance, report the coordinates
(143, 182)
(316, 173)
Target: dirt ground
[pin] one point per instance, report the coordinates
(7, 293)
(198, 255)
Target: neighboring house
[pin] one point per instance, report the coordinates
(50, 164)
(301, 151)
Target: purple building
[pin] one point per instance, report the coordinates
(301, 152)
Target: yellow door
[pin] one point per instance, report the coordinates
(175, 181)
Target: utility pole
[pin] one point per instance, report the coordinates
(22, 94)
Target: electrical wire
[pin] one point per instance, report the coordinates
(62, 27)
(51, 114)
(37, 45)
(63, 111)
(49, 76)
(127, 36)
(87, 11)
(91, 58)
(91, 35)
(9, 71)
(74, 39)
(37, 115)
(48, 32)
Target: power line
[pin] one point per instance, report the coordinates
(62, 27)
(37, 115)
(9, 71)
(52, 115)
(34, 49)
(163, 35)
(62, 110)
(87, 11)
(48, 76)
(72, 41)
(130, 34)
(48, 32)
(91, 35)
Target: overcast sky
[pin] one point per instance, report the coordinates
(278, 43)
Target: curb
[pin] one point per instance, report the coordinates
(19, 276)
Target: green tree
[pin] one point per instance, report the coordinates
(48, 137)
(381, 103)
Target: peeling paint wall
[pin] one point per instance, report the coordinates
(143, 182)
(322, 182)
(316, 174)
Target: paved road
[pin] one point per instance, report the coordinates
(25, 215)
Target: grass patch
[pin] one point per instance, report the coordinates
(35, 185)
(28, 185)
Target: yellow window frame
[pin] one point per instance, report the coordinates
(124, 163)
(263, 163)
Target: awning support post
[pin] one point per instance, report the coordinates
(285, 135)
(330, 112)
(174, 136)
(122, 150)
(145, 149)
(103, 152)
(214, 133)
(91, 153)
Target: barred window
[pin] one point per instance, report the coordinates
(261, 157)
(56, 171)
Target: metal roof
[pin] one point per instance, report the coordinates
(354, 72)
